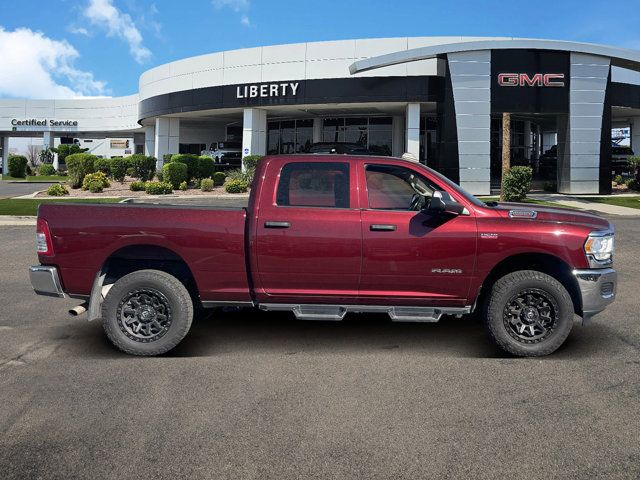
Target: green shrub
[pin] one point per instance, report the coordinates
(550, 187)
(57, 190)
(46, 169)
(29, 171)
(617, 179)
(236, 186)
(183, 186)
(166, 158)
(516, 184)
(158, 188)
(137, 186)
(102, 165)
(632, 184)
(206, 185)
(98, 178)
(130, 171)
(66, 150)
(144, 167)
(634, 165)
(79, 165)
(191, 161)
(159, 175)
(239, 175)
(205, 167)
(219, 178)
(250, 162)
(17, 166)
(94, 186)
(175, 173)
(119, 167)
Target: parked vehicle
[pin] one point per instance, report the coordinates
(227, 154)
(325, 235)
(340, 148)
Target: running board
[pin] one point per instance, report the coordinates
(337, 312)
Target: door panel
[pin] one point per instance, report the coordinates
(309, 240)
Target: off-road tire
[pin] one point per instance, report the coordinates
(179, 306)
(504, 289)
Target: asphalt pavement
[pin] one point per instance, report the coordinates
(250, 395)
(14, 189)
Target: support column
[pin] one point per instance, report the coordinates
(397, 136)
(5, 155)
(412, 131)
(150, 141)
(254, 132)
(579, 169)
(166, 138)
(634, 123)
(317, 130)
(527, 139)
(471, 84)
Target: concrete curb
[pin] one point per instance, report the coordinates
(14, 221)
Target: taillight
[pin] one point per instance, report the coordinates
(43, 238)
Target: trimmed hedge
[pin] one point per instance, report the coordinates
(46, 169)
(191, 161)
(516, 184)
(102, 165)
(57, 190)
(219, 178)
(158, 188)
(143, 167)
(79, 165)
(206, 185)
(137, 186)
(236, 186)
(119, 167)
(250, 162)
(205, 167)
(18, 166)
(175, 173)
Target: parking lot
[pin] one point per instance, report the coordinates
(255, 395)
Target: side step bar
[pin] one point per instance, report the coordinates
(337, 312)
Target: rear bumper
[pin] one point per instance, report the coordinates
(598, 289)
(46, 281)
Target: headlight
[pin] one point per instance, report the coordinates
(599, 246)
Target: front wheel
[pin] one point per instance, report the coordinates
(147, 312)
(529, 313)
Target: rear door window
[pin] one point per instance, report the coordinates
(313, 184)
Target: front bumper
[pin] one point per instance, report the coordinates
(598, 289)
(46, 281)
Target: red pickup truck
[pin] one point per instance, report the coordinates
(324, 235)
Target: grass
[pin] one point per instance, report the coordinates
(28, 206)
(631, 202)
(38, 178)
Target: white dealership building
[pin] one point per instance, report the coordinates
(440, 98)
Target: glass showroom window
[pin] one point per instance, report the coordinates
(289, 136)
(374, 133)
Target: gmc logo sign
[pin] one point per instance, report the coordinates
(537, 80)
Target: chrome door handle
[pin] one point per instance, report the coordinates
(277, 224)
(382, 228)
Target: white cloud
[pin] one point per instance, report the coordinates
(35, 66)
(238, 6)
(103, 14)
(78, 30)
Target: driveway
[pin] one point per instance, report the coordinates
(14, 189)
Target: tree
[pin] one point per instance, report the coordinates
(65, 150)
(506, 149)
(46, 155)
(33, 154)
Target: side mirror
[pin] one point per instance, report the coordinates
(441, 202)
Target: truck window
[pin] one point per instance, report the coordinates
(312, 184)
(390, 187)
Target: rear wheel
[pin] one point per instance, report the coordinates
(529, 313)
(147, 312)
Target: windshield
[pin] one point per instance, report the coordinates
(456, 187)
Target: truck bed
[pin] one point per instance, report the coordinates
(210, 240)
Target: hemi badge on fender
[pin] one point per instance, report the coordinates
(523, 214)
(488, 235)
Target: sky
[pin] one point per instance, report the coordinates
(67, 49)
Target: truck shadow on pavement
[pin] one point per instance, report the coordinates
(256, 332)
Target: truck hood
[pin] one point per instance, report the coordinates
(554, 215)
